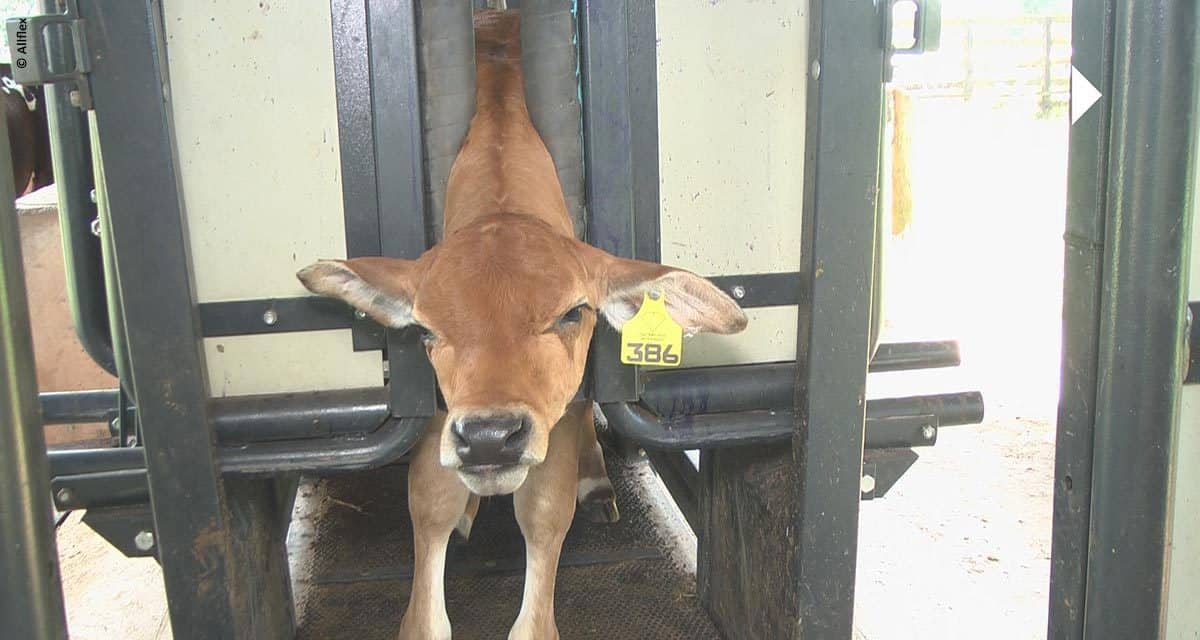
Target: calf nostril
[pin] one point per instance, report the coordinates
(459, 431)
(491, 439)
(519, 437)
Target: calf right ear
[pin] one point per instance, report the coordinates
(383, 288)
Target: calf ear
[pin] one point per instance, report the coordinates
(694, 302)
(383, 288)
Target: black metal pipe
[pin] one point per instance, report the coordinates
(291, 416)
(106, 477)
(69, 407)
(768, 386)
(258, 418)
(32, 604)
(888, 420)
(76, 462)
(1087, 182)
(343, 454)
(1152, 170)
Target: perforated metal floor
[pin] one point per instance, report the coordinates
(352, 555)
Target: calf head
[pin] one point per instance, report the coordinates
(508, 305)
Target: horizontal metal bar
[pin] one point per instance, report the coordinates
(274, 315)
(74, 462)
(248, 418)
(343, 454)
(68, 407)
(310, 313)
(290, 416)
(104, 477)
(767, 386)
(886, 420)
(754, 290)
(105, 489)
(909, 356)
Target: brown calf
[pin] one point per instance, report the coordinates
(508, 300)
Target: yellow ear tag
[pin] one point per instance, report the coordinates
(652, 337)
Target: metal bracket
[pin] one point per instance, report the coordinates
(40, 55)
(923, 26)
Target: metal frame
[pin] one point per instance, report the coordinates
(32, 606)
(845, 114)
(191, 442)
(162, 330)
(82, 259)
(396, 118)
(1133, 163)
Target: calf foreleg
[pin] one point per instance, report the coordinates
(437, 502)
(545, 505)
(597, 500)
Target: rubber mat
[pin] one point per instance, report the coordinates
(351, 548)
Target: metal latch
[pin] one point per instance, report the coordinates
(51, 48)
(910, 27)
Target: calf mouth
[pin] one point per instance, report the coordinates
(493, 479)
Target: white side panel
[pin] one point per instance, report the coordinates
(731, 114)
(1183, 616)
(255, 113)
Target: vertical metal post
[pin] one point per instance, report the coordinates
(1151, 168)
(211, 560)
(844, 128)
(399, 163)
(356, 141)
(1087, 176)
(615, 195)
(32, 604)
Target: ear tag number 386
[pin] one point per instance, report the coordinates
(652, 337)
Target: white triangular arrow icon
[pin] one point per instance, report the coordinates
(1083, 95)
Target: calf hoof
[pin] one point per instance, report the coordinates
(523, 632)
(600, 506)
(435, 631)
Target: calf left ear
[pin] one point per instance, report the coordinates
(694, 302)
(383, 288)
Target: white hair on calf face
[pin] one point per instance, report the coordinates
(339, 279)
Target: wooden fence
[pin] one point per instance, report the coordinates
(1026, 57)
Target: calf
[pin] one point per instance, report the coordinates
(508, 302)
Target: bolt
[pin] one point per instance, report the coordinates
(867, 484)
(92, 195)
(361, 315)
(270, 317)
(816, 69)
(76, 99)
(144, 540)
(65, 497)
(96, 227)
(739, 291)
(928, 432)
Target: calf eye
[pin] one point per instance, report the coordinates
(573, 316)
(427, 336)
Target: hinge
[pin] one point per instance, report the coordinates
(910, 27)
(51, 48)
